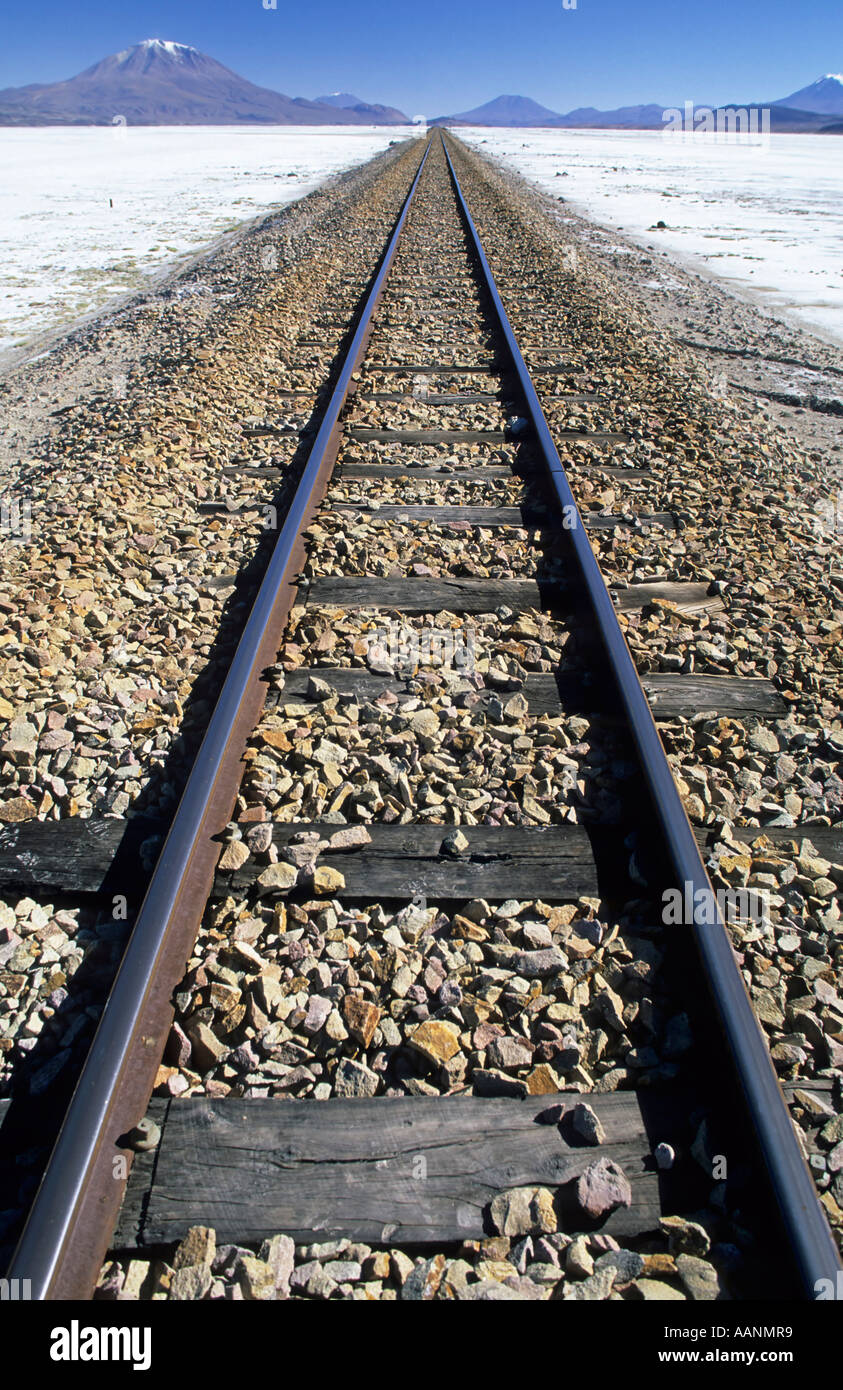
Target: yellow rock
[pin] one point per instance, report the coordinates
(276, 738)
(497, 1269)
(198, 1248)
(435, 1040)
(376, 1265)
(558, 916)
(280, 876)
(659, 1264)
(542, 1081)
(578, 947)
(234, 856)
(467, 930)
(327, 880)
(523, 1211)
(17, 809)
(735, 866)
(362, 1019)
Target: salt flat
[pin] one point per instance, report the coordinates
(88, 214)
(767, 218)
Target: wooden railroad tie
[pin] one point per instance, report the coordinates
(508, 436)
(467, 472)
(486, 595)
(102, 857)
(405, 1171)
(669, 693)
(464, 472)
(523, 518)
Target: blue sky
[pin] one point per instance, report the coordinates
(439, 56)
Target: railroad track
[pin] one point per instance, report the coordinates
(440, 969)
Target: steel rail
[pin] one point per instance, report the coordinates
(803, 1217)
(75, 1208)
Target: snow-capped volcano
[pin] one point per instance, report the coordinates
(162, 46)
(150, 51)
(824, 96)
(157, 58)
(161, 82)
(174, 49)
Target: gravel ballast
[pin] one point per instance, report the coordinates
(292, 990)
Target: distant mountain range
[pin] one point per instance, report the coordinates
(805, 111)
(159, 82)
